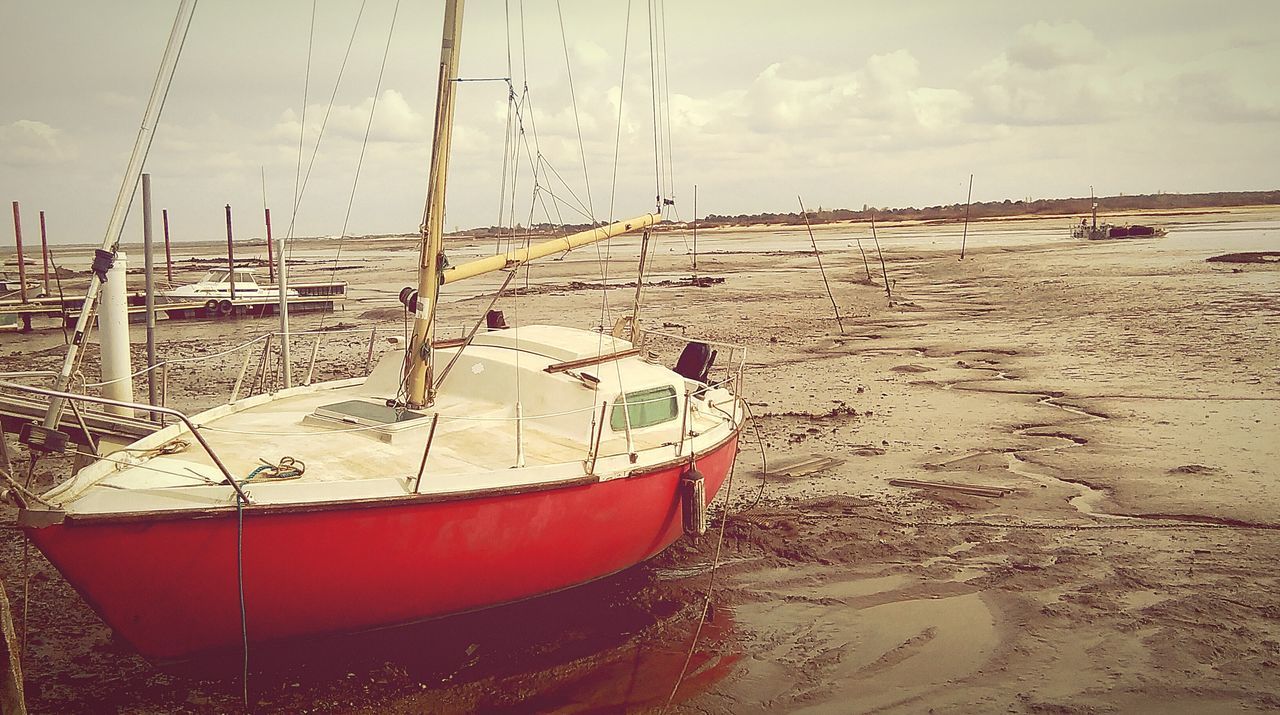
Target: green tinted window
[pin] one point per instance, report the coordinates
(645, 408)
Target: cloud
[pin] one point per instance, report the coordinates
(395, 120)
(1216, 96)
(30, 143)
(1050, 76)
(1044, 45)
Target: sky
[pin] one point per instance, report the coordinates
(844, 103)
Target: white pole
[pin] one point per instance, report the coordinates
(113, 337)
(283, 287)
(124, 199)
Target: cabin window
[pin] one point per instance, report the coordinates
(216, 277)
(645, 408)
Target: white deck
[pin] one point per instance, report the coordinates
(478, 442)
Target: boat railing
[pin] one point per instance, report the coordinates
(255, 366)
(75, 398)
(730, 367)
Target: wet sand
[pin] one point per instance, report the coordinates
(1126, 392)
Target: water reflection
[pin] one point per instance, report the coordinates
(618, 644)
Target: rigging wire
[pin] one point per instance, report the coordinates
(582, 150)
(653, 101)
(666, 96)
(301, 189)
(622, 93)
(302, 129)
(364, 144)
(604, 258)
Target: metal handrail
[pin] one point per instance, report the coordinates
(191, 427)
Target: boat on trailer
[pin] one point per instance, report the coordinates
(223, 291)
(456, 476)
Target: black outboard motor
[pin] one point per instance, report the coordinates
(695, 361)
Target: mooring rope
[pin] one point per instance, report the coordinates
(244, 620)
(706, 600)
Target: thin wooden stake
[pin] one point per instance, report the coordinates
(149, 268)
(231, 259)
(44, 253)
(818, 253)
(168, 256)
(967, 201)
(271, 261)
(883, 270)
(22, 261)
(865, 266)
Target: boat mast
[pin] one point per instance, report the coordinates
(419, 364)
(105, 256)
(1094, 203)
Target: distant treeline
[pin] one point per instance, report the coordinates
(952, 212)
(988, 209)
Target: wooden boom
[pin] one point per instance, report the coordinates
(492, 263)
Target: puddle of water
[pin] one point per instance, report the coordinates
(864, 659)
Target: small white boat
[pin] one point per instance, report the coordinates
(222, 290)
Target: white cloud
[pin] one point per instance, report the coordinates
(30, 143)
(1044, 45)
(395, 120)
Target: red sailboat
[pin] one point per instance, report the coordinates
(536, 459)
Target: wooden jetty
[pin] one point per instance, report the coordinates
(311, 297)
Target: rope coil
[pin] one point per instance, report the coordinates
(288, 468)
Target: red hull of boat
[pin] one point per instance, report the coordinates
(169, 585)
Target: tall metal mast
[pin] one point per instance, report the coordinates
(106, 255)
(419, 366)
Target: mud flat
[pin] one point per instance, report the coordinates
(1125, 393)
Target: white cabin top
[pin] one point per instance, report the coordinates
(553, 341)
(221, 275)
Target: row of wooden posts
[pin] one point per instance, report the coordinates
(168, 254)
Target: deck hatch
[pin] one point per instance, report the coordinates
(367, 413)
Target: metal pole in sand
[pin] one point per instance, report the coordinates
(150, 270)
(168, 257)
(967, 201)
(22, 262)
(271, 261)
(818, 253)
(231, 258)
(44, 252)
(883, 270)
